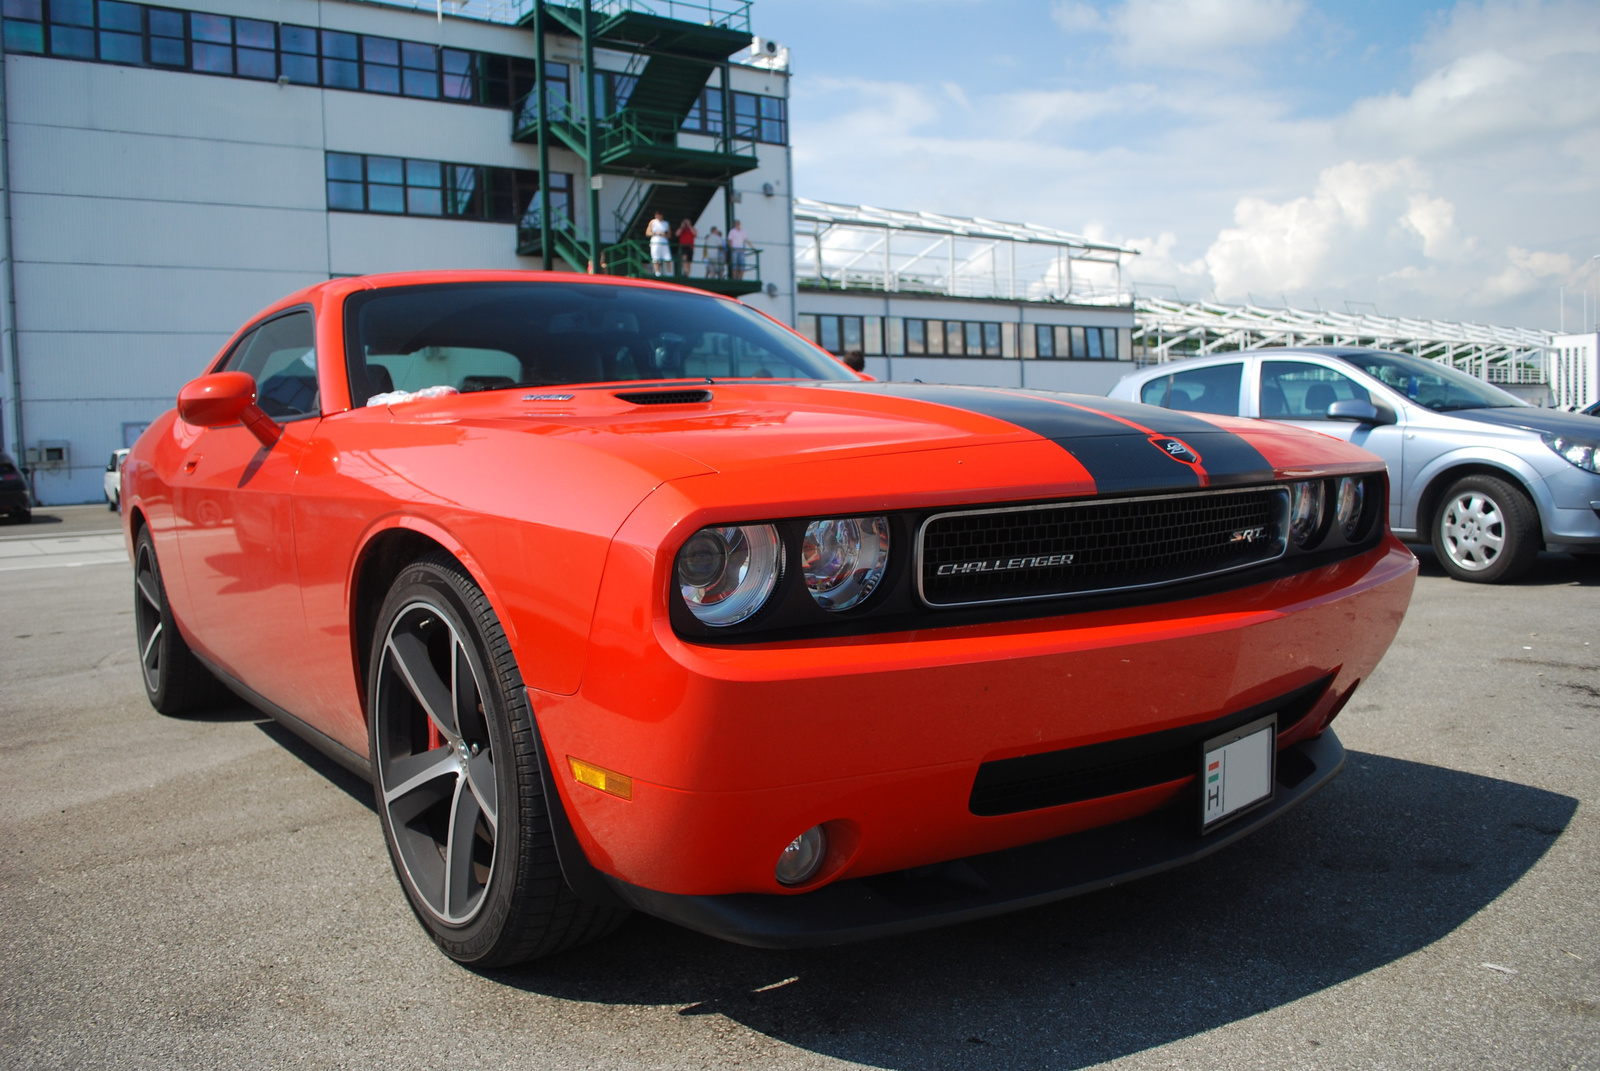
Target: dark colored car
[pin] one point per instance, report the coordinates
(16, 503)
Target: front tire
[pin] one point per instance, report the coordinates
(1486, 531)
(174, 680)
(457, 780)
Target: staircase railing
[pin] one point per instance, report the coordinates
(626, 128)
(632, 259)
(730, 14)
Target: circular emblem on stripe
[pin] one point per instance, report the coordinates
(1176, 449)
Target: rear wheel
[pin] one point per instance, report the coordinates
(1486, 530)
(457, 777)
(174, 680)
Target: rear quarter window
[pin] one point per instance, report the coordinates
(1214, 389)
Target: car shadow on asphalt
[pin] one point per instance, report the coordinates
(1390, 858)
(1549, 569)
(351, 784)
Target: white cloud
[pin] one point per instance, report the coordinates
(1185, 33)
(1433, 219)
(1285, 247)
(1527, 271)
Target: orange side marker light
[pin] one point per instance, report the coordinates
(586, 773)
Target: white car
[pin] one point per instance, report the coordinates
(1486, 478)
(113, 480)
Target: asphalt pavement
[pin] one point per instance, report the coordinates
(210, 892)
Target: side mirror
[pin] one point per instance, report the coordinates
(1360, 412)
(224, 399)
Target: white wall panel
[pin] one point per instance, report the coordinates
(430, 130)
(110, 365)
(972, 372)
(100, 96)
(94, 428)
(101, 163)
(94, 297)
(1078, 377)
(91, 230)
(362, 244)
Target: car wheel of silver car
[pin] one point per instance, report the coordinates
(1485, 530)
(174, 680)
(457, 780)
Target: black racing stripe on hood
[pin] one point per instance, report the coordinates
(1229, 459)
(1120, 458)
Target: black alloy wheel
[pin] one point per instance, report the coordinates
(457, 778)
(174, 680)
(1486, 530)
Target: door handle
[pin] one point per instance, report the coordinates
(189, 465)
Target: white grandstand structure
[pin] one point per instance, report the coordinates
(859, 247)
(1171, 329)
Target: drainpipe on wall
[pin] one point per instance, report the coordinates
(8, 326)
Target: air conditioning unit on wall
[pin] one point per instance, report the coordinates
(765, 52)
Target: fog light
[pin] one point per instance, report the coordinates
(802, 859)
(1306, 513)
(1348, 506)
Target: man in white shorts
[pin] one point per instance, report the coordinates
(660, 248)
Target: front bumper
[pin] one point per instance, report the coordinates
(981, 886)
(734, 751)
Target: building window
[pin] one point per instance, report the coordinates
(705, 115)
(1069, 343)
(112, 31)
(394, 186)
(760, 118)
(841, 334)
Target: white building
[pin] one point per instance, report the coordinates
(943, 299)
(1575, 370)
(170, 170)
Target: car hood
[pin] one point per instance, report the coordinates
(1106, 445)
(1535, 419)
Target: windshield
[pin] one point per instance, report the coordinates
(1429, 383)
(500, 335)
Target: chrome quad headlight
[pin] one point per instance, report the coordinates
(1349, 501)
(727, 574)
(843, 559)
(1584, 453)
(1307, 500)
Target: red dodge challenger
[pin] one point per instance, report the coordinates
(623, 595)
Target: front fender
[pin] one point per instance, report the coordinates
(1513, 465)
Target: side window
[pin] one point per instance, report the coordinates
(1291, 390)
(281, 355)
(1198, 390)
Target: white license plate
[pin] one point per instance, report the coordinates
(1237, 771)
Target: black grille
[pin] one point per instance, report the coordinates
(1038, 552)
(665, 397)
(1053, 778)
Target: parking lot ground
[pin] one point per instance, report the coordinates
(209, 892)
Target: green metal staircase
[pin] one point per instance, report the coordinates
(681, 45)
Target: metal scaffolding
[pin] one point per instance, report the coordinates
(857, 247)
(1168, 330)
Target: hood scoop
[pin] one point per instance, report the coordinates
(664, 397)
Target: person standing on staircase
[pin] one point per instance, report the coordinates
(738, 250)
(685, 235)
(660, 249)
(716, 253)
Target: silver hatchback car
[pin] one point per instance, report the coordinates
(1486, 478)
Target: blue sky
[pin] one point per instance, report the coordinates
(1431, 159)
